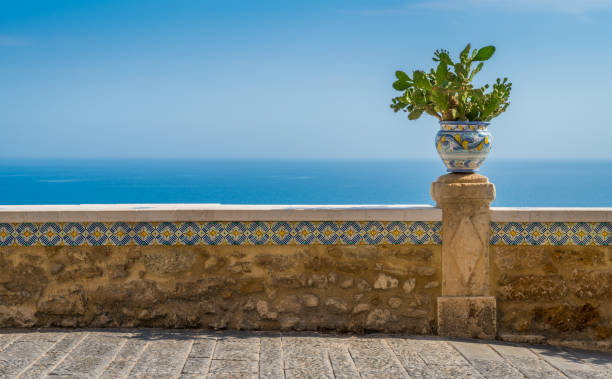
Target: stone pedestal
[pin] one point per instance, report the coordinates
(466, 308)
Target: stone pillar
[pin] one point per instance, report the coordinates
(465, 308)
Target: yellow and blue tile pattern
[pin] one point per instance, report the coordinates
(292, 233)
(221, 233)
(551, 233)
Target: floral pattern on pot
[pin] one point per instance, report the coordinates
(463, 145)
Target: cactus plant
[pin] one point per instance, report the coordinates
(447, 92)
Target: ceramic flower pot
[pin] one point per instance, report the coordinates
(463, 145)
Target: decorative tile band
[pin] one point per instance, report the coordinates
(551, 233)
(221, 233)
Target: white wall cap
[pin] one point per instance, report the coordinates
(238, 212)
(215, 212)
(504, 214)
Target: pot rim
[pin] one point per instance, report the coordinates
(485, 123)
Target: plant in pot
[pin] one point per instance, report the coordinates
(464, 111)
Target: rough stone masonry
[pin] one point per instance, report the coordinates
(342, 288)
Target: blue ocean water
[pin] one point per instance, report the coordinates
(518, 183)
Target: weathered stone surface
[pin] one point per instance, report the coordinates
(425, 270)
(384, 282)
(168, 261)
(582, 256)
(287, 280)
(197, 354)
(270, 357)
(63, 305)
(240, 267)
(529, 363)
(415, 254)
(527, 287)
(214, 263)
(137, 293)
(395, 302)
(486, 360)
(53, 356)
(16, 317)
(274, 262)
(117, 271)
(80, 273)
(567, 318)
(556, 292)
(56, 268)
(162, 358)
(374, 357)
(470, 317)
(310, 300)
(21, 350)
(337, 305)
(363, 285)
(377, 319)
(318, 281)
(124, 361)
(203, 287)
(90, 357)
(20, 283)
(464, 199)
(263, 309)
(591, 284)
(360, 308)
(290, 304)
(409, 285)
(348, 283)
(251, 285)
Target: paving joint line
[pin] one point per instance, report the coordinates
(186, 358)
(42, 355)
(331, 365)
(113, 358)
(542, 360)
(212, 356)
(425, 363)
(140, 354)
(507, 360)
(464, 357)
(259, 358)
(348, 350)
(282, 354)
(67, 354)
(386, 344)
(11, 342)
(401, 361)
(550, 363)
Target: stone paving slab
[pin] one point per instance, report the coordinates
(146, 353)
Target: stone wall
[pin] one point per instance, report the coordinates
(463, 270)
(558, 294)
(343, 288)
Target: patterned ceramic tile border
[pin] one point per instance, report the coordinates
(221, 233)
(551, 233)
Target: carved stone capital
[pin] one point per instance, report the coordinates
(452, 188)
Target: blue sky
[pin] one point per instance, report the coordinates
(291, 79)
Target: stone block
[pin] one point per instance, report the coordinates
(467, 317)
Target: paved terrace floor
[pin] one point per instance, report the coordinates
(196, 354)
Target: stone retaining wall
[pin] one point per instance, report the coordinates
(561, 293)
(365, 269)
(344, 288)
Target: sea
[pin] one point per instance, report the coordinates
(519, 183)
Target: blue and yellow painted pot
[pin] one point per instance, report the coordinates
(463, 145)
